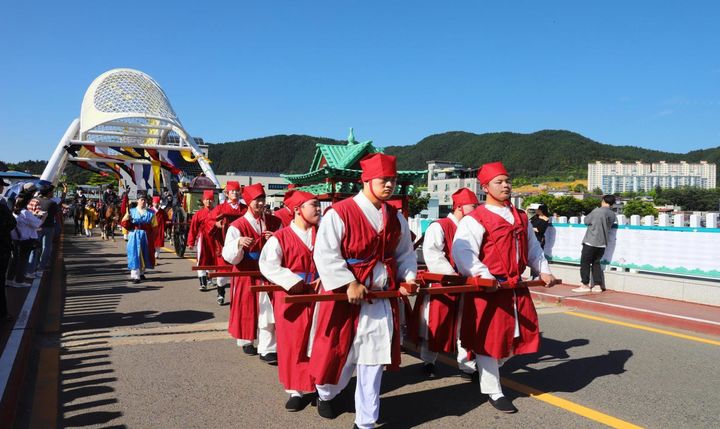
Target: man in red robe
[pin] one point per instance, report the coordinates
(496, 241)
(437, 317)
(197, 237)
(159, 231)
(286, 260)
(363, 244)
(285, 214)
(251, 315)
(216, 226)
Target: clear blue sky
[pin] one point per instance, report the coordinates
(643, 73)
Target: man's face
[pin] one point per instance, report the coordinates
(383, 187)
(233, 195)
(257, 205)
(500, 188)
(311, 211)
(142, 203)
(208, 203)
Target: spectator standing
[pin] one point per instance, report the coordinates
(46, 234)
(599, 223)
(24, 237)
(540, 222)
(7, 224)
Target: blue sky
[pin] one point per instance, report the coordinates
(642, 73)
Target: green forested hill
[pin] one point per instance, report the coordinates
(280, 154)
(545, 154)
(542, 154)
(548, 154)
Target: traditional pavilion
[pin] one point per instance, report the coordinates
(335, 173)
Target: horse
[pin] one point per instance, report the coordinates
(78, 214)
(109, 221)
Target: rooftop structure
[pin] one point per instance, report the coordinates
(334, 173)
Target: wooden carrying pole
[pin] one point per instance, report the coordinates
(254, 274)
(477, 285)
(212, 267)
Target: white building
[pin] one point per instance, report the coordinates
(275, 186)
(446, 177)
(643, 177)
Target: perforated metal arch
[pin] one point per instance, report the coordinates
(125, 95)
(130, 91)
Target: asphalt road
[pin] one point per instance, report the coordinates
(157, 355)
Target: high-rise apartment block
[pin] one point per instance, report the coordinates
(642, 177)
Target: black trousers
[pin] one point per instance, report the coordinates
(590, 259)
(21, 254)
(4, 259)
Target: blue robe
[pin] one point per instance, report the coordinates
(138, 250)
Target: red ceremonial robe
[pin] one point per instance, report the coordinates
(216, 236)
(337, 322)
(158, 236)
(292, 321)
(197, 233)
(285, 216)
(243, 318)
(488, 324)
(443, 312)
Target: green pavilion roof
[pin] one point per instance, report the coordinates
(341, 163)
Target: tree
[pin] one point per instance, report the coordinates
(543, 198)
(567, 206)
(417, 202)
(589, 204)
(579, 188)
(597, 191)
(638, 207)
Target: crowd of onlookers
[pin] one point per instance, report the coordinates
(29, 224)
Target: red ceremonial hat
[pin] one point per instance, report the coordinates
(490, 171)
(232, 186)
(156, 198)
(208, 194)
(464, 196)
(250, 192)
(297, 198)
(378, 165)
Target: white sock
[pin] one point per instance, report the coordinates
(496, 396)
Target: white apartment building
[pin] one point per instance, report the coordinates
(643, 177)
(275, 186)
(446, 177)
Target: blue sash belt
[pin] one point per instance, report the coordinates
(253, 255)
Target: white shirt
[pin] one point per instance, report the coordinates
(27, 225)
(372, 342)
(333, 268)
(271, 259)
(433, 249)
(468, 241)
(231, 252)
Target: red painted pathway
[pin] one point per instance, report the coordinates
(678, 314)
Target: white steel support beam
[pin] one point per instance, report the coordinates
(57, 161)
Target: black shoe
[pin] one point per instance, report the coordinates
(249, 349)
(270, 358)
(142, 276)
(429, 369)
(136, 281)
(503, 404)
(220, 299)
(326, 409)
(295, 403)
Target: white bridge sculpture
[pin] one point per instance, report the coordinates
(127, 127)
